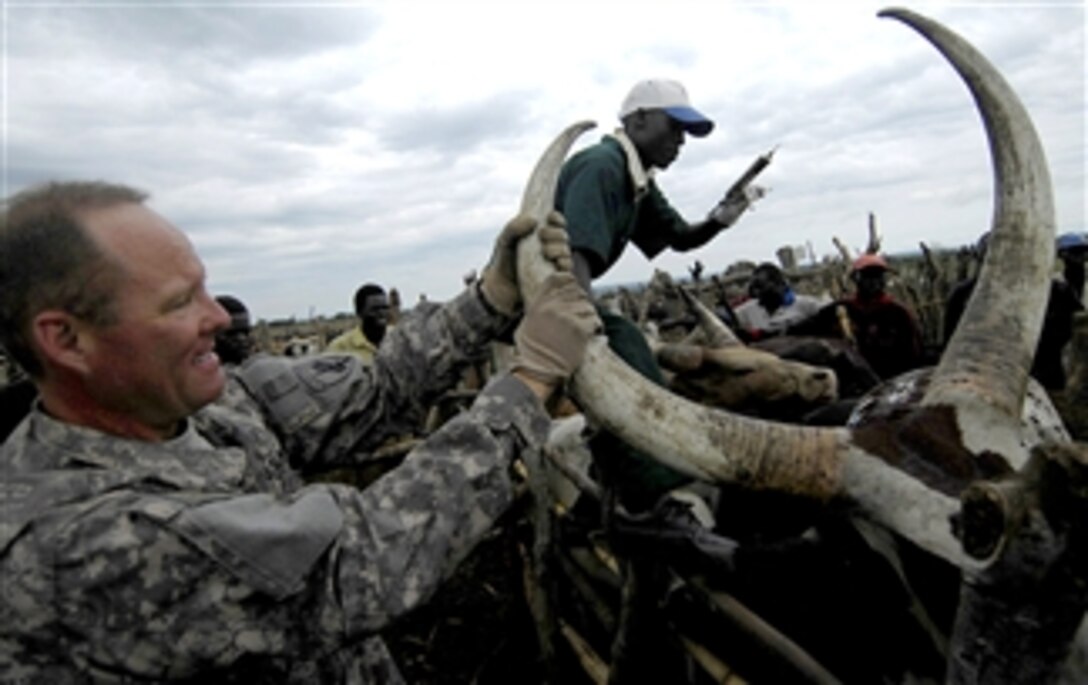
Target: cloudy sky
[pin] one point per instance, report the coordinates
(307, 147)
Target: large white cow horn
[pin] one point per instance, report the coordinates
(984, 371)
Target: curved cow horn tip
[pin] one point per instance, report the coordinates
(538, 201)
(895, 13)
(539, 197)
(985, 367)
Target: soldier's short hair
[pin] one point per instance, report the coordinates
(47, 260)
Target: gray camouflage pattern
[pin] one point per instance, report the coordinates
(207, 557)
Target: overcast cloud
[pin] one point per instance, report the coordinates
(308, 147)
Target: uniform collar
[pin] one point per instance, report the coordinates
(640, 176)
(188, 461)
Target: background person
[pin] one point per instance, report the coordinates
(609, 196)
(1047, 367)
(372, 311)
(884, 330)
(773, 306)
(234, 344)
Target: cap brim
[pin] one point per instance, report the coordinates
(693, 121)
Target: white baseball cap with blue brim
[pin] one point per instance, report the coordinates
(670, 96)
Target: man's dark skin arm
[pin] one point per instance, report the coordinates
(582, 271)
(699, 234)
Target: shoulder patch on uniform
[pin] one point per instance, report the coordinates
(270, 543)
(268, 377)
(276, 385)
(323, 372)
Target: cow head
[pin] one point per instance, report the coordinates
(714, 368)
(743, 378)
(855, 375)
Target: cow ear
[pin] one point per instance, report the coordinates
(680, 357)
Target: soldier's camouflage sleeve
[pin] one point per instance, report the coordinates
(427, 514)
(330, 410)
(168, 584)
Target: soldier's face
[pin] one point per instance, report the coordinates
(155, 365)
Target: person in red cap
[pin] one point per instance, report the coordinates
(869, 261)
(885, 330)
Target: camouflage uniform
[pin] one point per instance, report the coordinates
(207, 557)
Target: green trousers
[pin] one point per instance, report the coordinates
(638, 479)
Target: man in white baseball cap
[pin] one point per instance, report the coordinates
(670, 96)
(610, 197)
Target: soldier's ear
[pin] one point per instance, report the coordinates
(59, 340)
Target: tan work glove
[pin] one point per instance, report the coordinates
(551, 340)
(499, 282)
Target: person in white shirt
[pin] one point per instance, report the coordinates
(773, 305)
